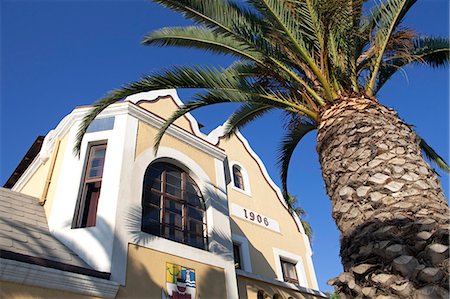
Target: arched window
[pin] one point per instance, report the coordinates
(238, 178)
(172, 206)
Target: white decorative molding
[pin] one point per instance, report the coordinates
(245, 251)
(255, 217)
(35, 275)
(247, 189)
(154, 95)
(279, 255)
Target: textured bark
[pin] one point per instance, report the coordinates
(387, 203)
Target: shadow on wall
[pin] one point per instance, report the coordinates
(260, 264)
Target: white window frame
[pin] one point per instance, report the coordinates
(242, 242)
(279, 255)
(246, 190)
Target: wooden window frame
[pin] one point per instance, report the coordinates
(86, 216)
(287, 278)
(183, 201)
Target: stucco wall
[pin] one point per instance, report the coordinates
(35, 185)
(164, 107)
(263, 200)
(145, 140)
(146, 275)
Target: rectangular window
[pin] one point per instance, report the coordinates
(237, 256)
(289, 272)
(86, 210)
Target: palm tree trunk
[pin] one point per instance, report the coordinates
(387, 203)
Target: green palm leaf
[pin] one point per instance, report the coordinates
(433, 51)
(287, 147)
(388, 17)
(202, 38)
(432, 155)
(245, 114)
(220, 16)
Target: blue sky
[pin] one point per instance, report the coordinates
(56, 55)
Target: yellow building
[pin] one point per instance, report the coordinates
(199, 219)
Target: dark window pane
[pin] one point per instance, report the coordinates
(173, 190)
(150, 212)
(237, 256)
(172, 233)
(173, 206)
(90, 204)
(174, 180)
(196, 227)
(151, 227)
(194, 199)
(153, 173)
(156, 184)
(196, 241)
(152, 198)
(237, 177)
(195, 214)
(173, 219)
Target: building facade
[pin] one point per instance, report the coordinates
(201, 218)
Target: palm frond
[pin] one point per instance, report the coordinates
(425, 50)
(219, 16)
(388, 17)
(202, 38)
(258, 95)
(177, 77)
(294, 33)
(245, 114)
(186, 108)
(433, 51)
(287, 147)
(431, 154)
(308, 229)
(229, 19)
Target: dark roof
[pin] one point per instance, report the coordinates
(25, 237)
(25, 162)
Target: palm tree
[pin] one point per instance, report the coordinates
(323, 63)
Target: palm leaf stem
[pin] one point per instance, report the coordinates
(311, 91)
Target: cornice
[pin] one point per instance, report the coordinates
(280, 283)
